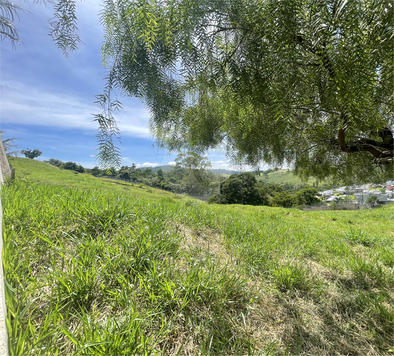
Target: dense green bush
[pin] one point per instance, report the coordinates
(245, 189)
(283, 199)
(55, 162)
(307, 196)
(69, 166)
(72, 166)
(242, 189)
(95, 171)
(371, 201)
(217, 199)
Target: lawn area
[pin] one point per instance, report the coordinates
(101, 268)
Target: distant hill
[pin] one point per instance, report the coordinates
(283, 176)
(168, 168)
(223, 171)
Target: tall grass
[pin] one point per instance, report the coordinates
(111, 272)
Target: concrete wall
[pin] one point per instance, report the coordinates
(5, 171)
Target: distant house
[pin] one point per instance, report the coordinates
(383, 198)
(389, 193)
(361, 197)
(365, 186)
(327, 193)
(332, 198)
(341, 190)
(351, 189)
(390, 188)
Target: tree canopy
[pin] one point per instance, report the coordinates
(242, 189)
(31, 153)
(193, 161)
(307, 83)
(63, 25)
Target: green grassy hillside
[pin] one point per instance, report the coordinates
(283, 176)
(46, 173)
(99, 268)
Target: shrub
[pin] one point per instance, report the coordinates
(243, 189)
(306, 196)
(283, 199)
(333, 205)
(371, 201)
(80, 169)
(55, 162)
(95, 171)
(217, 199)
(124, 175)
(69, 166)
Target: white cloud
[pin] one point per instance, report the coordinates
(172, 163)
(86, 164)
(148, 164)
(26, 105)
(219, 162)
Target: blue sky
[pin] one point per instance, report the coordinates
(47, 99)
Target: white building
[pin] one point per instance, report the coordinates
(332, 198)
(365, 194)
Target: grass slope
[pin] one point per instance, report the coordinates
(47, 173)
(283, 176)
(93, 268)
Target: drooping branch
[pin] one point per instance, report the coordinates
(383, 151)
(319, 52)
(380, 150)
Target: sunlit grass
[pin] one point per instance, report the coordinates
(97, 269)
(47, 173)
(283, 176)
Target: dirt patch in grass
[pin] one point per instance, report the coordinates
(264, 320)
(322, 271)
(205, 240)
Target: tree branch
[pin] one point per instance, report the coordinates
(321, 53)
(382, 151)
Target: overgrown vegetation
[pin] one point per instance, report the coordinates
(191, 176)
(114, 269)
(245, 189)
(179, 180)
